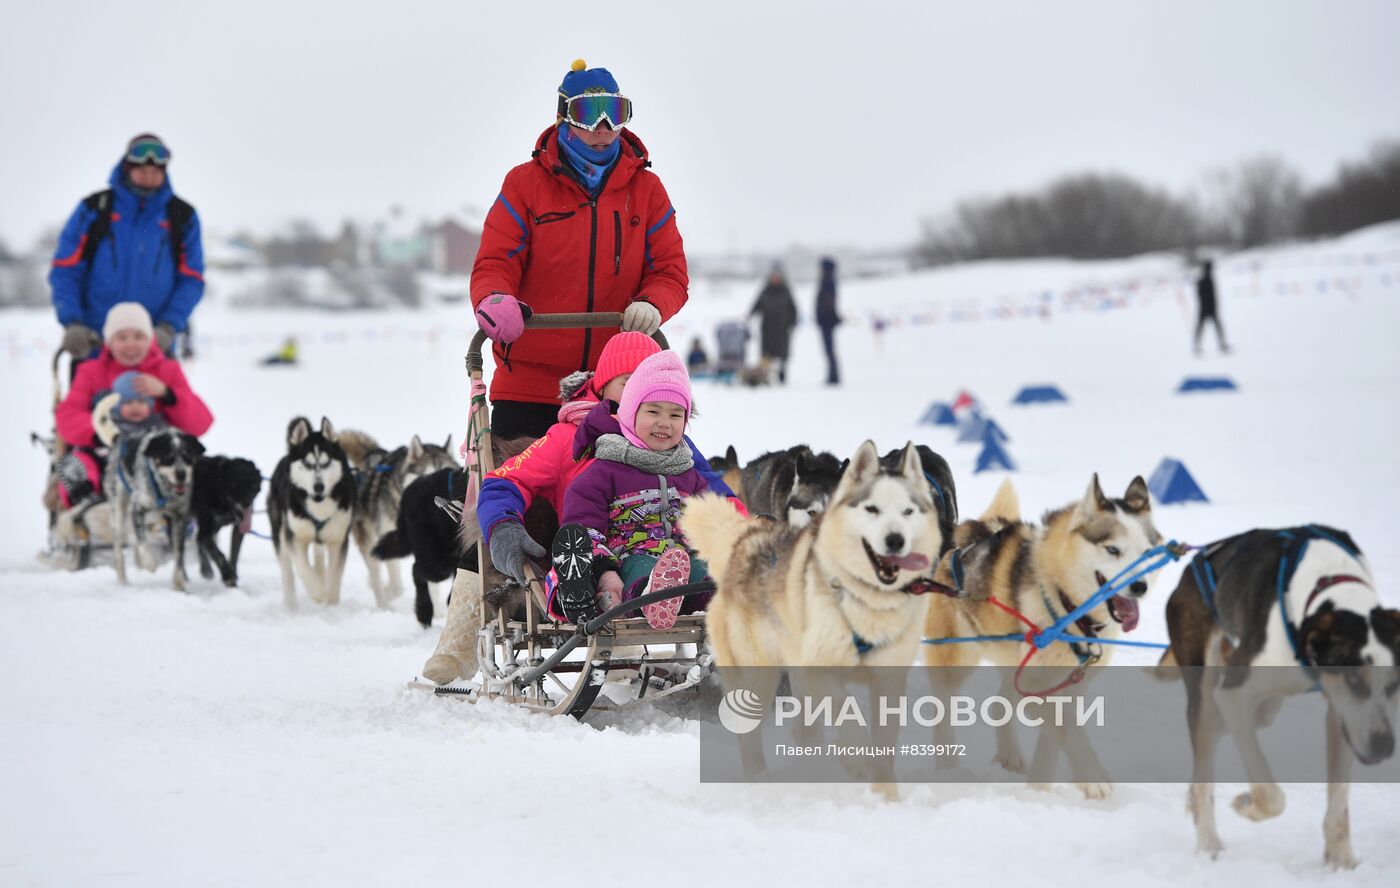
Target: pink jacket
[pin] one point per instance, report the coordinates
(73, 417)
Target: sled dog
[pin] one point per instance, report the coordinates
(792, 485)
(843, 591)
(224, 490)
(1227, 623)
(382, 476)
(428, 533)
(311, 502)
(149, 481)
(1044, 572)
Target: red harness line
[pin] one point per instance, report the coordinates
(1075, 677)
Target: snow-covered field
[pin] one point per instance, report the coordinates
(148, 737)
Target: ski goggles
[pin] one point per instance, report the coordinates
(148, 151)
(591, 109)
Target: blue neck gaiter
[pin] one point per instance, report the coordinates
(590, 164)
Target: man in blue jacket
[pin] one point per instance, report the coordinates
(135, 242)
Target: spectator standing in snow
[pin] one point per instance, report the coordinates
(135, 241)
(1207, 309)
(828, 319)
(777, 314)
(583, 226)
(697, 361)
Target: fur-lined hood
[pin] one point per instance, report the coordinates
(571, 386)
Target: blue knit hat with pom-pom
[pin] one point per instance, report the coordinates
(583, 79)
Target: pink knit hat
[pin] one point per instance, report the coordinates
(661, 377)
(621, 355)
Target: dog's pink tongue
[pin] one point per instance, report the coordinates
(1127, 609)
(912, 561)
(245, 523)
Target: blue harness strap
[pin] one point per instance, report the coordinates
(863, 647)
(1285, 573)
(1205, 581)
(938, 489)
(955, 565)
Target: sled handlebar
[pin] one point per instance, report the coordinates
(560, 321)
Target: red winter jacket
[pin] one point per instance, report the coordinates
(73, 417)
(548, 244)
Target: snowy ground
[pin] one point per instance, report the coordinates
(216, 739)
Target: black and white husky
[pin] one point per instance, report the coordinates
(311, 502)
(149, 481)
(1302, 601)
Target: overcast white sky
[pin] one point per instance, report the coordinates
(771, 123)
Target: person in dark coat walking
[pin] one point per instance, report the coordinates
(828, 319)
(1207, 309)
(777, 313)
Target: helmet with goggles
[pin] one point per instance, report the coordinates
(589, 96)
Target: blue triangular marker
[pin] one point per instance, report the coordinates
(971, 428)
(1039, 394)
(993, 458)
(1206, 384)
(1172, 483)
(939, 413)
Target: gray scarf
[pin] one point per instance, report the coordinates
(615, 448)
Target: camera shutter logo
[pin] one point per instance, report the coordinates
(740, 711)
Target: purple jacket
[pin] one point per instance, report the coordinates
(624, 507)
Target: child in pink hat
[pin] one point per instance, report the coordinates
(620, 514)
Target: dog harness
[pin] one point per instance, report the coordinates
(161, 498)
(1295, 547)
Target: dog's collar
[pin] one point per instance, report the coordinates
(1323, 584)
(862, 646)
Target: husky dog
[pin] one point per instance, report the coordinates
(224, 490)
(792, 485)
(381, 477)
(149, 480)
(940, 481)
(428, 533)
(728, 468)
(1044, 572)
(841, 591)
(311, 500)
(1329, 630)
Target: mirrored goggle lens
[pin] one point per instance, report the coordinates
(588, 110)
(149, 152)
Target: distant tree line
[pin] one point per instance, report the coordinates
(1103, 215)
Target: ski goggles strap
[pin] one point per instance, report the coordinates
(148, 151)
(591, 109)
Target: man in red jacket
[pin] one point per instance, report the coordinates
(584, 226)
(130, 346)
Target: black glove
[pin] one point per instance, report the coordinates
(165, 335)
(509, 546)
(79, 340)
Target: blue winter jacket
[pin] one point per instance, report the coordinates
(134, 263)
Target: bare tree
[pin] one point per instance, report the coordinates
(1258, 201)
(1363, 193)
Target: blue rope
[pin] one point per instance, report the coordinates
(1123, 641)
(1163, 554)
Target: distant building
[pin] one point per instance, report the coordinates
(453, 248)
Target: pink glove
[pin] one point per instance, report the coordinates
(502, 317)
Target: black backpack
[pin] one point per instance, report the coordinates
(176, 211)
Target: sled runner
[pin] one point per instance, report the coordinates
(531, 658)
